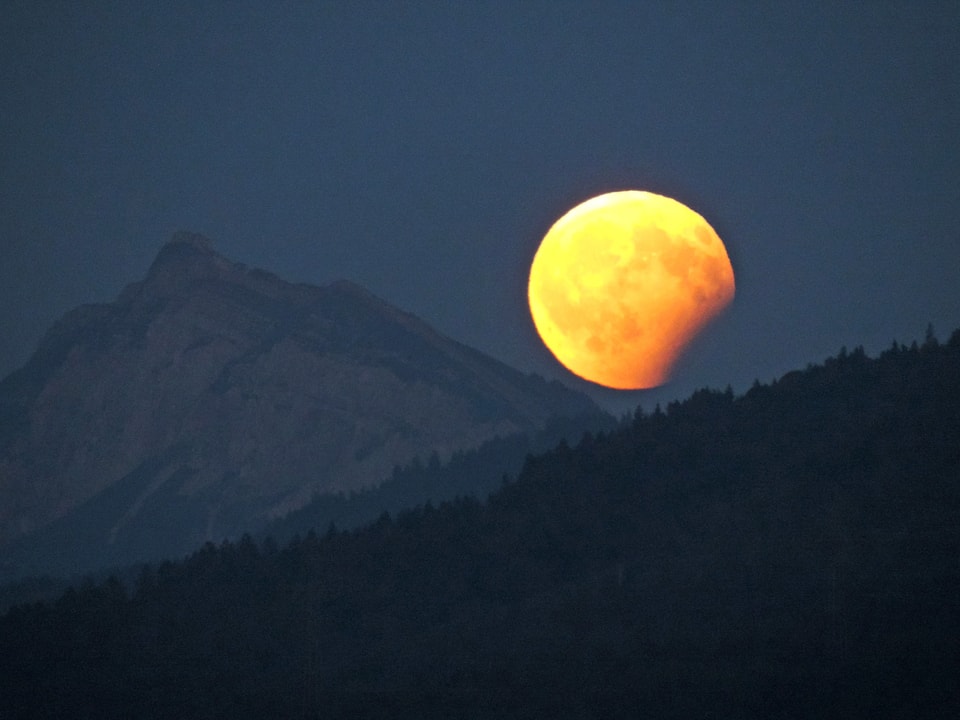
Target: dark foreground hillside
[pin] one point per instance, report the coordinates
(794, 552)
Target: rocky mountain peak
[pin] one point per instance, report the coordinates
(195, 240)
(185, 259)
(211, 396)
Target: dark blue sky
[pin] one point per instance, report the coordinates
(423, 149)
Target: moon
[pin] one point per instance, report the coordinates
(622, 283)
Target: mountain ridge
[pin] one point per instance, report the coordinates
(241, 392)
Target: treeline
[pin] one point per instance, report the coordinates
(788, 553)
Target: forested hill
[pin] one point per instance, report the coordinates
(789, 553)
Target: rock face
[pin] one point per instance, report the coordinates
(210, 397)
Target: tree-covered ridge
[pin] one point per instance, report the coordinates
(788, 553)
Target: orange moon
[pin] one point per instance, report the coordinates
(623, 282)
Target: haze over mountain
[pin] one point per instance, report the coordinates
(210, 397)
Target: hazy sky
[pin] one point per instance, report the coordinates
(422, 149)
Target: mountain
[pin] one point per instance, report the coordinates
(473, 473)
(211, 397)
(791, 552)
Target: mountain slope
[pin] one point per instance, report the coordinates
(788, 553)
(210, 397)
